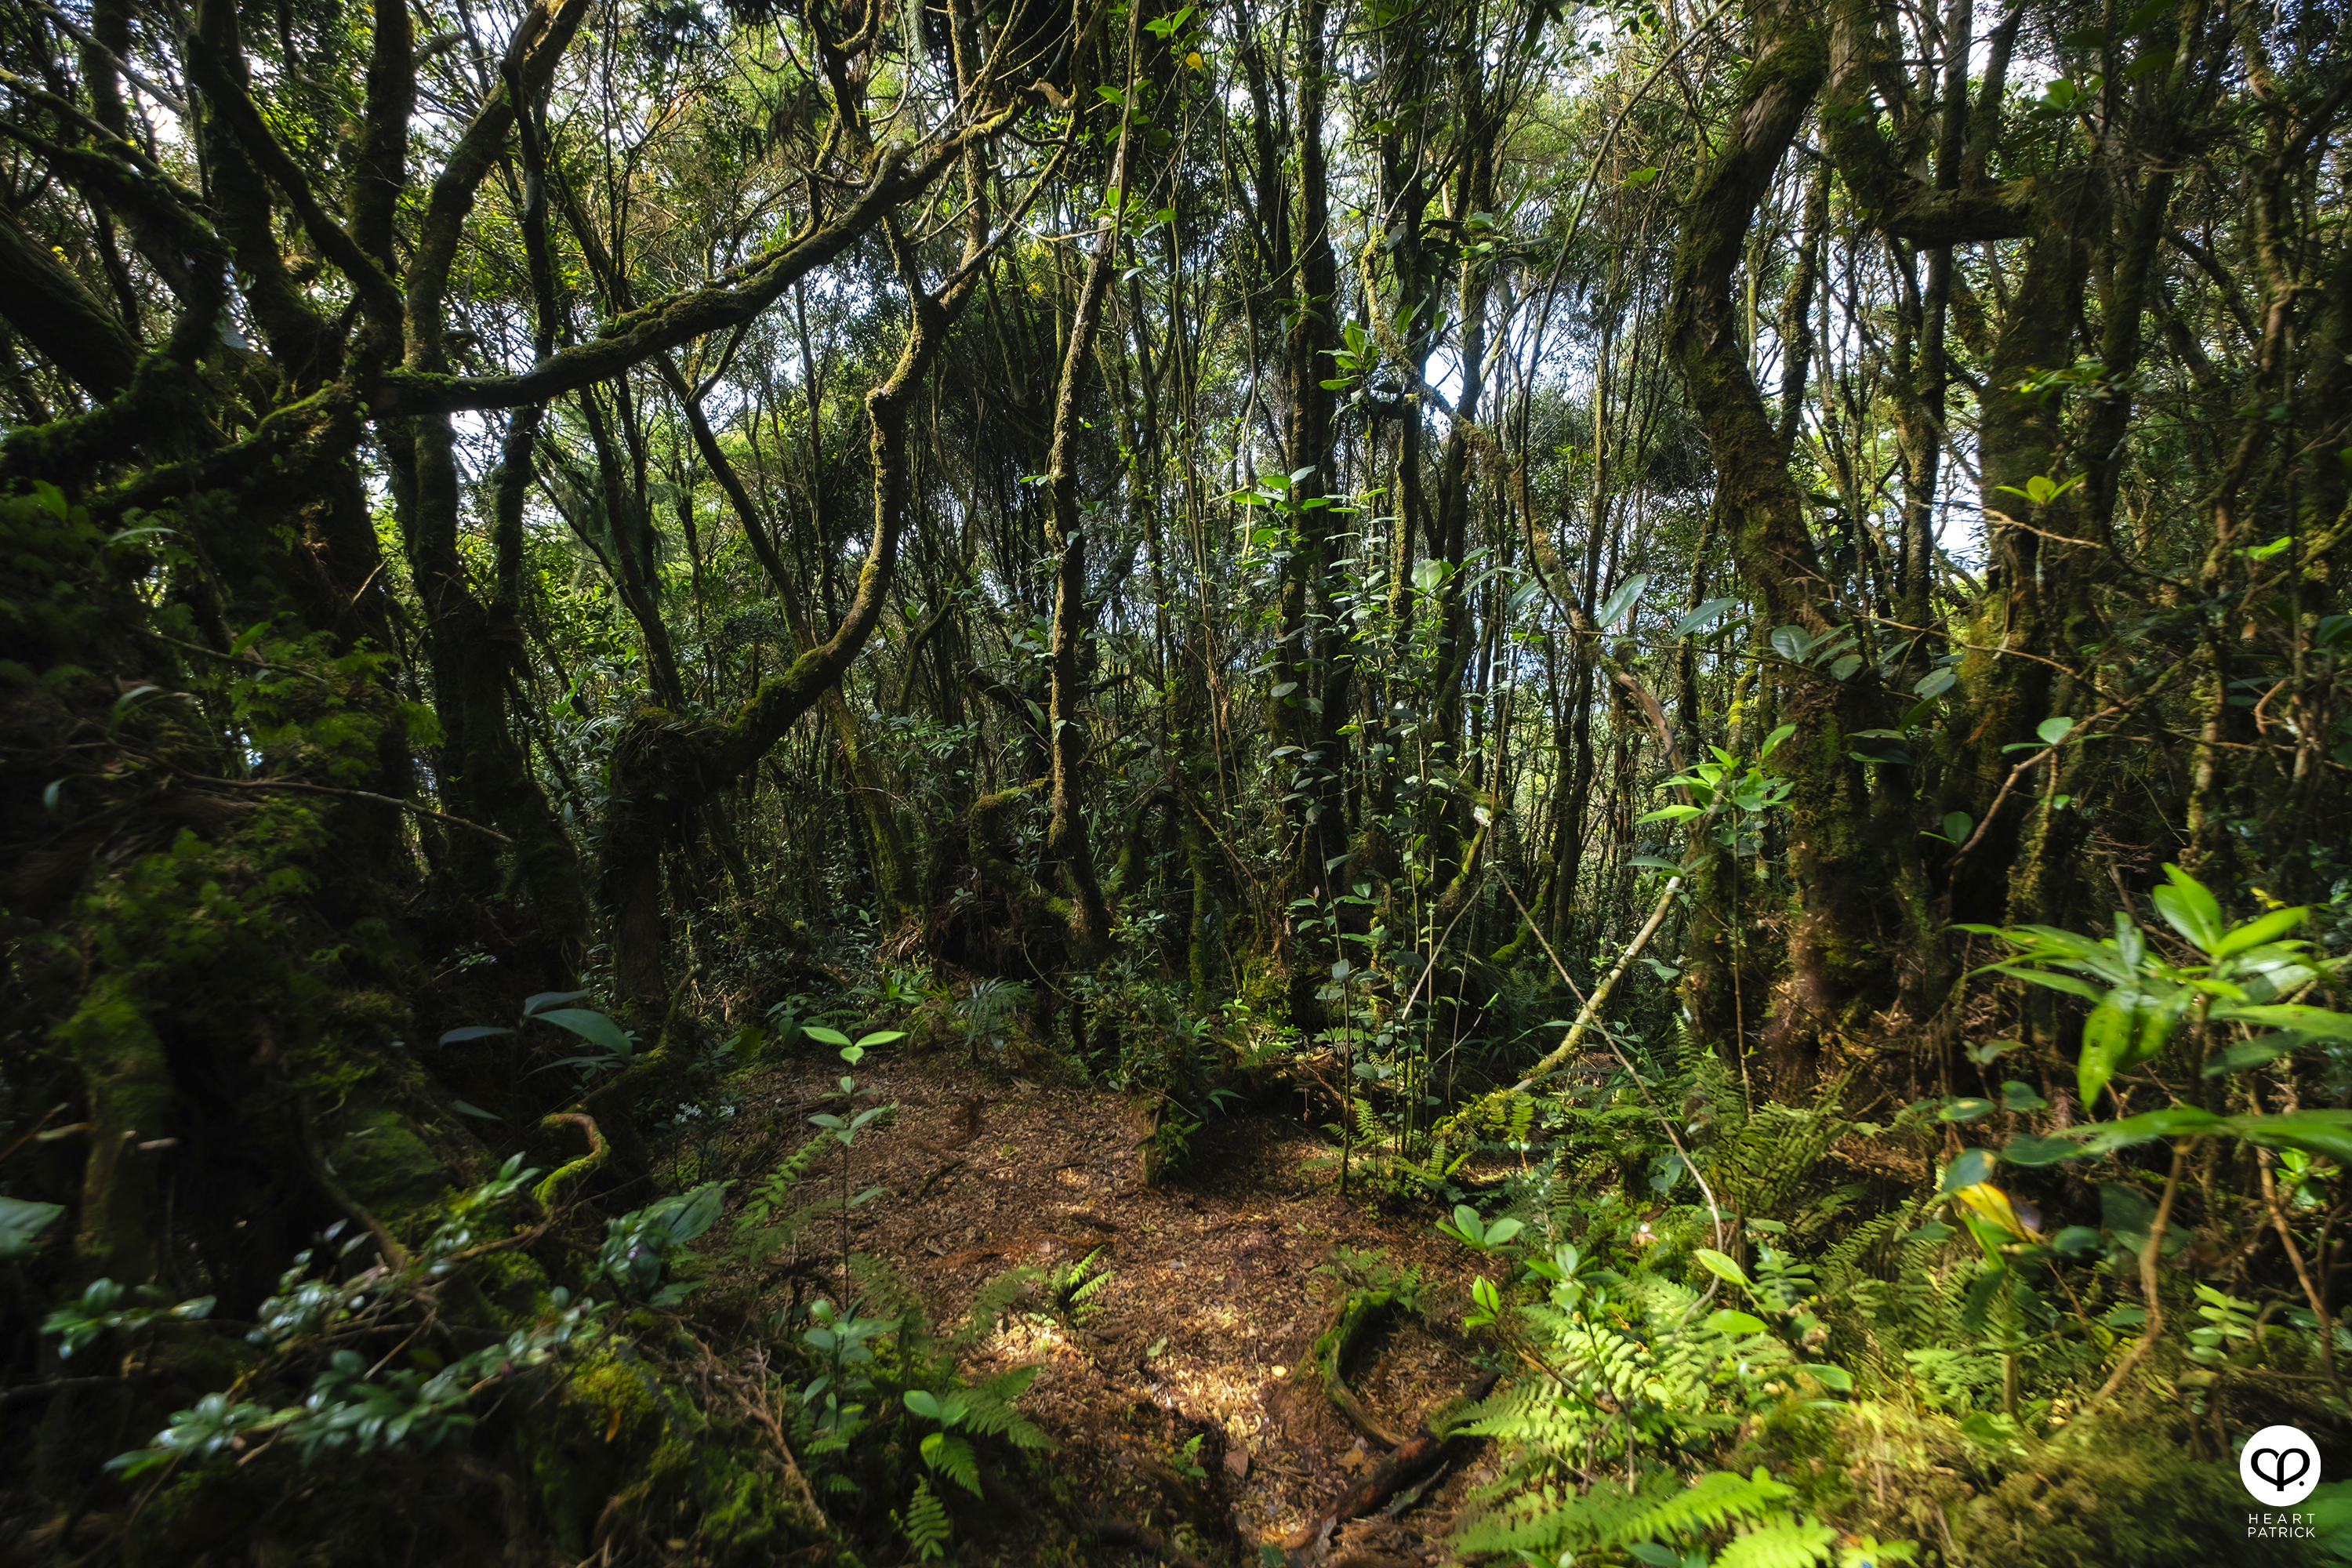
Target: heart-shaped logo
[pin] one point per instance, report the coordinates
(2271, 1467)
(2280, 1467)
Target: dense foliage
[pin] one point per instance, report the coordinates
(555, 552)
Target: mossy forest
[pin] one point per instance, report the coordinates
(1244, 784)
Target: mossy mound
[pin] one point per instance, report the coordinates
(2113, 1498)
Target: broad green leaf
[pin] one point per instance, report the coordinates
(2189, 909)
(2254, 1053)
(2106, 1038)
(1968, 1110)
(1958, 826)
(473, 1032)
(1834, 1378)
(1705, 616)
(2322, 1021)
(1791, 642)
(1502, 1230)
(2053, 731)
(2028, 1149)
(923, 1402)
(2175, 1122)
(825, 1036)
(879, 1037)
(700, 1210)
(1622, 600)
(2327, 1133)
(21, 1223)
(2016, 1096)
(593, 1028)
(2256, 932)
(1934, 683)
(1722, 1267)
(549, 999)
(1967, 1168)
(1728, 1322)
(1772, 741)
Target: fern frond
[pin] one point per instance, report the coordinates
(1790, 1543)
(1715, 1501)
(988, 1309)
(925, 1525)
(952, 1458)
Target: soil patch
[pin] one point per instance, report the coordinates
(1215, 1283)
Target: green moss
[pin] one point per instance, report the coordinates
(2112, 1498)
(387, 1167)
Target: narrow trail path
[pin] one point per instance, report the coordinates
(1220, 1279)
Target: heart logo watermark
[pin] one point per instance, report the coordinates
(2280, 1467)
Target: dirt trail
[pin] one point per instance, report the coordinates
(1201, 1331)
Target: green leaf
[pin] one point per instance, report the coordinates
(2175, 1122)
(1772, 741)
(1967, 1168)
(1791, 643)
(879, 1037)
(1834, 1378)
(1934, 683)
(1502, 1230)
(1728, 1322)
(1845, 666)
(1958, 826)
(923, 1402)
(2016, 1096)
(467, 1108)
(593, 1028)
(2189, 909)
(824, 1035)
(1705, 616)
(1722, 1267)
(2254, 1053)
(2327, 1133)
(2028, 1149)
(1967, 1110)
(2106, 1038)
(549, 999)
(2256, 932)
(1622, 600)
(21, 1223)
(2322, 1021)
(473, 1032)
(2053, 731)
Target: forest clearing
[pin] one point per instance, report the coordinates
(1249, 783)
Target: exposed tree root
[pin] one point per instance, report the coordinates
(1358, 1313)
(1311, 1547)
(1119, 1532)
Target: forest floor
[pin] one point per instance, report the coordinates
(1219, 1283)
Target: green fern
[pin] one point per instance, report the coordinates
(988, 1412)
(770, 1192)
(988, 1309)
(1071, 1289)
(1610, 1516)
(925, 1525)
(758, 1233)
(1795, 1542)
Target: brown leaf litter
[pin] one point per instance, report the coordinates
(1203, 1330)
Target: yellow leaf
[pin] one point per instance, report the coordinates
(1989, 1203)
